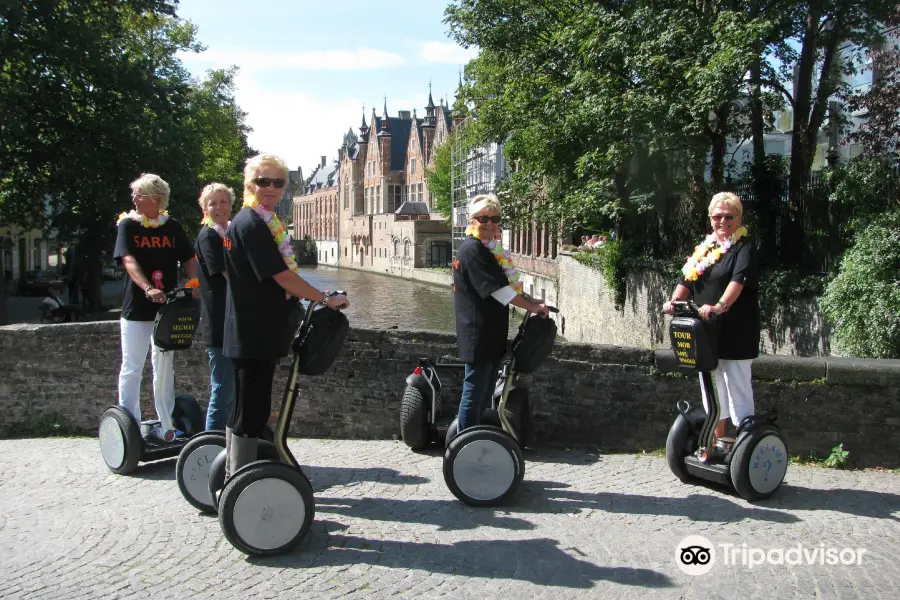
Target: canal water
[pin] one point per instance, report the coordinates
(382, 302)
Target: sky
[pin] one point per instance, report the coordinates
(307, 68)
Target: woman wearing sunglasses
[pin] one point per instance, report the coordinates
(484, 283)
(262, 275)
(722, 277)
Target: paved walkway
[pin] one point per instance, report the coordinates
(387, 526)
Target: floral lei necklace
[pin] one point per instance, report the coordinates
(503, 258)
(143, 220)
(708, 253)
(282, 239)
(208, 221)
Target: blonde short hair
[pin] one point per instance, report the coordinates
(212, 189)
(728, 199)
(258, 163)
(482, 203)
(149, 184)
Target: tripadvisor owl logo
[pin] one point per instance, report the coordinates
(695, 555)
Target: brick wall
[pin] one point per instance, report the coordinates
(590, 316)
(612, 398)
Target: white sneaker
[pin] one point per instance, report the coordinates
(163, 436)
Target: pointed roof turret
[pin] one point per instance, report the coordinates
(385, 121)
(363, 128)
(430, 101)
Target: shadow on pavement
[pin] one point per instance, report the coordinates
(861, 503)
(550, 497)
(323, 478)
(539, 561)
(446, 515)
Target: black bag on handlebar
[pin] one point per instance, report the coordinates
(533, 345)
(176, 322)
(319, 341)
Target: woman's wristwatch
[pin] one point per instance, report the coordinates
(722, 304)
(147, 289)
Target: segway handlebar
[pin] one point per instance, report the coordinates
(552, 309)
(688, 308)
(179, 293)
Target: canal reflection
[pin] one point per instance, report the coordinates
(382, 302)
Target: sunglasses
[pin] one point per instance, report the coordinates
(484, 219)
(720, 217)
(265, 182)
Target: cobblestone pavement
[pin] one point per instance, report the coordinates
(584, 527)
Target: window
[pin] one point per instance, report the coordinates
(378, 204)
(421, 193)
(395, 199)
(412, 165)
(439, 254)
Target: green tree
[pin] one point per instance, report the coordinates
(93, 94)
(581, 94)
(863, 300)
(821, 29)
(438, 177)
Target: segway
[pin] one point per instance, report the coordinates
(424, 420)
(124, 442)
(195, 464)
(267, 506)
(484, 465)
(756, 463)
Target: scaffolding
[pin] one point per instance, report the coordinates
(474, 169)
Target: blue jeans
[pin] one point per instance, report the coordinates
(478, 387)
(221, 389)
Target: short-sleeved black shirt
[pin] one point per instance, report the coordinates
(482, 323)
(739, 326)
(211, 260)
(157, 250)
(256, 308)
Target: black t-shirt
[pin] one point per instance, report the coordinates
(211, 260)
(256, 308)
(738, 328)
(157, 250)
(482, 323)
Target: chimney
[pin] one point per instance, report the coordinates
(323, 161)
(405, 114)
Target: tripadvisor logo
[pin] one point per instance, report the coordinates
(696, 555)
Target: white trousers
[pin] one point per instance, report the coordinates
(136, 339)
(732, 379)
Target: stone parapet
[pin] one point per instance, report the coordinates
(611, 397)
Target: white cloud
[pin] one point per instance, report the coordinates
(297, 126)
(446, 52)
(318, 60)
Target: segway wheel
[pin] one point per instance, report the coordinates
(414, 418)
(193, 467)
(265, 451)
(266, 508)
(759, 463)
(187, 415)
(483, 466)
(120, 441)
(683, 440)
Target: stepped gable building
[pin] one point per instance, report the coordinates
(386, 223)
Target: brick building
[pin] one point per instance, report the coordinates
(316, 211)
(386, 218)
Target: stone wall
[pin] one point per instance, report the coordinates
(589, 314)
(612, 398)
